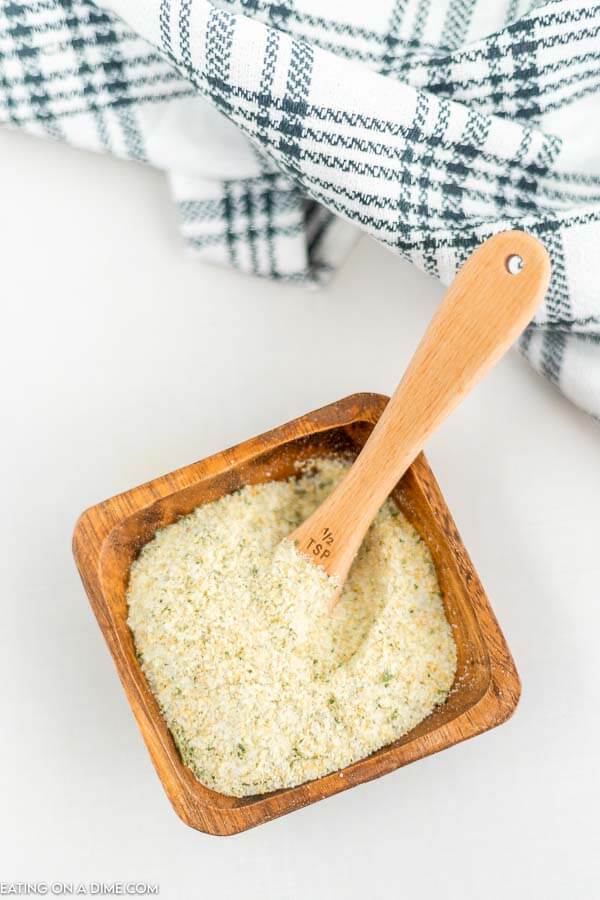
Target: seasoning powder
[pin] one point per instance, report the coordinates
(260, 686)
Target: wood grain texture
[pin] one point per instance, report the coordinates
(109, 536)
(483, 312)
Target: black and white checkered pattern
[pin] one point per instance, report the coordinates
(289, 126)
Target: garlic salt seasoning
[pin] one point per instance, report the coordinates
(260, 686)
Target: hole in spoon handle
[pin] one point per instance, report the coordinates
(515, 264)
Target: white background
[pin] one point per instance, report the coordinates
(122, 360)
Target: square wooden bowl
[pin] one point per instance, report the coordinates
(108, 537)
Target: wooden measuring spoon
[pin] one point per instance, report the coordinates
(487, 306)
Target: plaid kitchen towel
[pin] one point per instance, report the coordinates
(287, 127)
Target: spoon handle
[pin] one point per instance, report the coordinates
(486, 307)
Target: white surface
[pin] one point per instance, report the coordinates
(121, 360)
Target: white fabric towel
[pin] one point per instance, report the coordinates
(287, 127)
